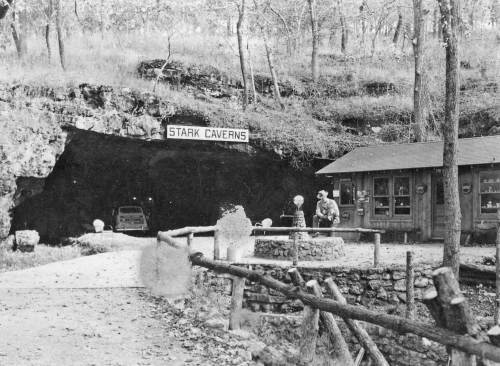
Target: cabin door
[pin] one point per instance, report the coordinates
(438, 215)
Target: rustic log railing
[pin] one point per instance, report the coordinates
(455, 325)
(191, 230)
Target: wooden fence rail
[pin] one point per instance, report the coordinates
(191, 230)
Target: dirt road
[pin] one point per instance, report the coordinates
(106, 326)
(85, 311)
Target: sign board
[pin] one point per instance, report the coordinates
(207, 133)
(336, 193)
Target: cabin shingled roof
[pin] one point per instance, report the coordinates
(471, 151)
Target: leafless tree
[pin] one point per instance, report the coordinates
(240, 29)
(451, 256)
(60, 40)
(419, 101)
(315, 40)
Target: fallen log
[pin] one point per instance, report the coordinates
(462, 342)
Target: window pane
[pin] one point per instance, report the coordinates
(402, 211)
(402, 201)
(346, 193)
(489, 188)
(401, 186)
(381, 186)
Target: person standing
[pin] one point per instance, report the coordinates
(327, 211)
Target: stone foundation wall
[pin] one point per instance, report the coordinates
(366, 286)
(311, 249)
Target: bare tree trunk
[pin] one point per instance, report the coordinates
(451, 255)
(419, 105)
(345, 34)
(47, 42)
(399, 25)
(374, 38)
(272, 70)
(290, 46)
(47, 30)
(241, 48)
(362, 9)
(18, 30)
(315, 40)
(252, 79)
(60, 39)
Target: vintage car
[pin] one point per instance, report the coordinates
(130, 218)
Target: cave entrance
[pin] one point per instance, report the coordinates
(178, 183)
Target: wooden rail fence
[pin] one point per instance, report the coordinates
(189, 231)
(455, 325)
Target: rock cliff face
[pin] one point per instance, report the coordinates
(71, 155)
(26, 150)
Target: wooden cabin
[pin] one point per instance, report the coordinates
(399, 187)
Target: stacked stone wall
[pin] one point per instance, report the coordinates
(310, 249)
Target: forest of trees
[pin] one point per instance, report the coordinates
(349, 26)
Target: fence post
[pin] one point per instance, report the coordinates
(238, 287)
(217, 244)
(497, 260)
(376, 250)
(295, 260)
(457, 314)
(190, 239)
(309, 334)
(410, 286)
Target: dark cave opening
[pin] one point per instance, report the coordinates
(179, 183)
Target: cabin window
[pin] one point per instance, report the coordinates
(346, 192)
(381, 197)
(401, 196)
(489, 191)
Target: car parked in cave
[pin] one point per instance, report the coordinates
(130, 218)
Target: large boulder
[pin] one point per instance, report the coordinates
(26, 240)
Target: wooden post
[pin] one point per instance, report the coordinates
(359, 332)
(296, 278)
(430, 299)
(497, 260)
(376, 250)
(340, 352)
(309, 334)
(458, 316)
(410, 286)
(217, 254)
(295, 261)
(190, 239)
(238, 288)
